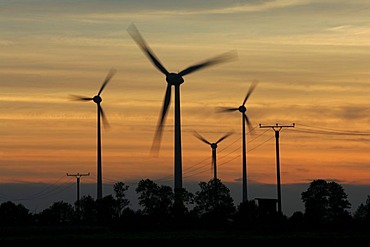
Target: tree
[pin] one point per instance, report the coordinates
(107, 210)
(315, 200)
(247, 214)
(325, 202)
(120, 189)
(181, 204)
(338, 203)
(88, 211)
(156, 200)
(362, 213)
(60, 213)
(14, 215)
(214, 203)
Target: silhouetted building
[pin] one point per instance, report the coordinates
(266, 206)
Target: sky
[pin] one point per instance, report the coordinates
(310, 58)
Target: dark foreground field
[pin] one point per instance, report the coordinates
(58, 234)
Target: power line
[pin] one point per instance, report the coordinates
(329, 131)
(194, 169)
(198, 168)
(48, 191)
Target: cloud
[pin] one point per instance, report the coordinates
(256, 6)
(86, 41)
(96, 11)
(354, 112)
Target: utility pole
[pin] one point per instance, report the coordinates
(78, 176)
(277, 129)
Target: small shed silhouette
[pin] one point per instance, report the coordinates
(266, 206)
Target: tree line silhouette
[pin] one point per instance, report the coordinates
(211, 207)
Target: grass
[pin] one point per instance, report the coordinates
(58, 234)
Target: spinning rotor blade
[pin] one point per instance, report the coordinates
(103, 117)
(250, 90)
(166, 103)
(80, 98)
(158, 134)
(134, 32)
(222, 138)
(197, 135)
(157, 140)
(216, 60)
(227, 109)
(107, 79)
(249, 124)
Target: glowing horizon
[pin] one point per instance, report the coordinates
(310, 57)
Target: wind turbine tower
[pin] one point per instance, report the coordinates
(175, 80)
(245, 121)
(213, 147)
(101, 117)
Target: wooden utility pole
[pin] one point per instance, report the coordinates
(277, 129)
(78, 176)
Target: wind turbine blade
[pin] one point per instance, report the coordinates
(249, 124)
(103, 117)
(216, 60)
(166, 103)
(227, 109)
(157, 140)
(158, 134)
(107, 79)
(197, 135)
(135, 34)
(250, 90)
(80, 98)
(222, 138)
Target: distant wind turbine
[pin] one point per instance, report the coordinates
(101, 116)
(214, 147)
(173, 79)
(245, 121)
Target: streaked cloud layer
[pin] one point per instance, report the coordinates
(311, 59)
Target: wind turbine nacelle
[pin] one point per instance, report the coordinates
(242, 108)
(174, 79)
(97, 99)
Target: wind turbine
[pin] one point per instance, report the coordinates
(245, 121)
(101, 116)
(214, 147)
(173, 79)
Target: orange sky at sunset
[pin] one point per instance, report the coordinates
(311, 59)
